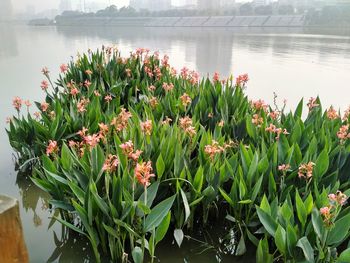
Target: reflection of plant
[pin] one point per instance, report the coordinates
(128, 149)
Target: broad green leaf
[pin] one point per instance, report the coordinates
(267, 221)
(137, 255)
(304, 244)
(160, 166)
(158, 213)
(280, 239)
(179, 236)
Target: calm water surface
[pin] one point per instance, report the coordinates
(293, 63)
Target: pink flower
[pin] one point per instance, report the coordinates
(108, 98)
(325, 211)
(143, 173)
(312, 103)
(88, 72)
(305, 170)
(151, 88)
(343, 133)
(242, 79)
(74, 91)
(259, 105)
(186, 125)
(216, 77)
(17, 103)
(82, 132)
(97, 94)
(27, 103)
(257, 120)
(274, 115)
(64, 68)
(111, 163)
(45, 71)
(81, 105)
(51, 148)
(92, 140)
(44, 106)
(44, 85)
(332, 113)
(146, 127)
(338, 198)
(87, 84)
(168, 87)
(184, 72)
(166, 121)
(121, 121)
(284, 167)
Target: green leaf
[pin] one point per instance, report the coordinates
(268, 222)
(301, 210)
(158, 213)
(344, 256)
(280, 239)
(317, 223)
(321, 165)
(179, 236)
(339, 231)
(291, 238)
(162, 229)
(186, 206)
(160, 166)
(198, 179)
(304, 244)
(66, 158)
(137, 255)
(299, 109)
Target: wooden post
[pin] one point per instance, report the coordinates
(12, 245)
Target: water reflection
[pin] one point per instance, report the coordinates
(8, 47)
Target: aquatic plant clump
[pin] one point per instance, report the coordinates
(130, 150)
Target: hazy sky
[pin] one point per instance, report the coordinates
(20, 5)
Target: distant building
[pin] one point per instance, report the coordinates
(227, 3)
(65, 5)
(5, 9)
(261, 2)
(208, 4)
(152, 5)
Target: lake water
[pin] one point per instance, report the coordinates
(294, 63)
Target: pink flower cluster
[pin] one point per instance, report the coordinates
(312, 103)
(121, 121)
(17, 103)
(257, 120)
(259, 105)
(284, 168)
(278, 131)
(186, 125)
(332, 114)
(215, 148)
(111, 163)
(168, 87)
(343, 133)
(146, 127)
(128, 150)
(330, 212)
(51, 148)
(305, 170)
(241, 80)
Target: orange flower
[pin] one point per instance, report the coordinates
(51, 148)
(81, 105)
(186, 125)
(153, 102)
(143, 173)
(257, 120)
